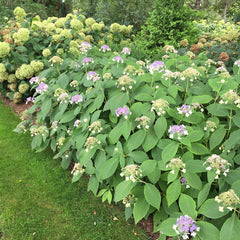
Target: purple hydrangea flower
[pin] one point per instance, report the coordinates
(92, 76)
(186, 227)
(185, 110)
(42, 87)
(30, 100)
(177, 131)
(34, 80)
(156, 66)
(87, 60)
(118, 59)
(76, 99)
(126, 51)
(105, 48)
(122, 111)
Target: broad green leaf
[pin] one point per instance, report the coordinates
(231, 228)
(195, 135)
(203, 99)
(140, 209)
(193, 180)
(166, 227)
(136, 140)
(67, 117)
(148, 167)
(143, 97)
(108, 168)
(160, 127)
(93, 185)
(203, 194)
(116, 101)
(207, 231)
(187, 206)
(210, 209)
(199, 149)
(152, 195)
(170, 151)
(123, 189)
(218, 110)
(173, 192)
(150, 141)
(138, 156)
(217, 137)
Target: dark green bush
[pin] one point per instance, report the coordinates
(168, 23)
(128, 12)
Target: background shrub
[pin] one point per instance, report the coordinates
(169, 23)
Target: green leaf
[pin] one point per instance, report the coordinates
(150, 142)
(138, 156)
(199, 149)
(152, 195)
(195, 135)
(169, 151)
(125, 129)
(203, 99)
(218, 110)
(217, 137)
(231, 228)
(166, 227)
(193, 180)
(93, 185)
(187, 206)
(208, 231)
(76, 177)
(148, 167)
(67, 117)
(108, 168)
(140, 209)
(203, 194)
(143, 97)
(123, 189)
(210, 209)
(136, 140)
(160, 127)
(173, 192)
(236, 187)
(116, 101)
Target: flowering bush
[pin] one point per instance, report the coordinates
(161, 137)
(28, 45)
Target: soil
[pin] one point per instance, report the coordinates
(17, 108)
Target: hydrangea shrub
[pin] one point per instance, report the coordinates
(160, 137)
(28, 45)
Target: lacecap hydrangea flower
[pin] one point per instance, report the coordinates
(125, 82)
(160, 106)
(177, 131)
(156, 66)
(123, 111)
(118, 59)
(93, 76)
(227, 200)
(218, 165)
(95, 127)
(105, 48)
(186, 227)
(131, 173)
(176, 164)
(143, 122)
(185, 110)
(42, 87)
(76, 99)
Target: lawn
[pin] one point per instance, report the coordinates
(38, 201)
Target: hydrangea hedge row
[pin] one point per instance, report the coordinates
(29, 45)
(161, 137)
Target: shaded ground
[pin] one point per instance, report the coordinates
(38, 202)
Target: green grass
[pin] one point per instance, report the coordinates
(38, 201)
